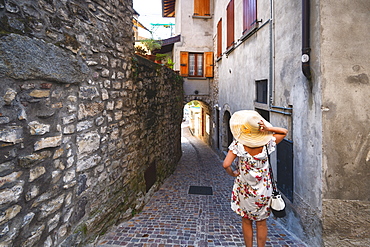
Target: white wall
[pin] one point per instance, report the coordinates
(196, 36)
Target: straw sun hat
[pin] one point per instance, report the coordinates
(245, 128)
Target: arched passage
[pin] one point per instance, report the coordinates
(198, 115)
(226, 132)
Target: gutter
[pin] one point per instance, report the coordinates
(306, 69)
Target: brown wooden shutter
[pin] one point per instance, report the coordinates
(184, 67)
(208, 58)
(230, 24)
(249, 15)
(202, 8)
(219, 38)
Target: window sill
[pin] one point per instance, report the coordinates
(261, 106)
(249, 33)
(230, 49)
(201, 17)
(197, 78)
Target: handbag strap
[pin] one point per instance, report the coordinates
(271, 173)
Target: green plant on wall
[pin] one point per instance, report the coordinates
(164, 59)
(151, 44)
(169, 63)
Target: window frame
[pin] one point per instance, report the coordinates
(250, 22)
(230, 25)
(219, 38)
(196, 64)
(207, 64)
(202, 8)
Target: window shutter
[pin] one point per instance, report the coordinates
(249, 15)
(202, 8)
(219, 38)
(230, 24)
(208, 58)
(184, 68)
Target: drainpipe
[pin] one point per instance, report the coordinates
(306, 39)
(272, 55)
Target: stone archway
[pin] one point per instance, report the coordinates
(200, 119)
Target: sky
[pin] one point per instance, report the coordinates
(150, 12)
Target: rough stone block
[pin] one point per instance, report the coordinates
(36, 173)
(27, 86)
(28, 218)
(45, 60)
(88, 142)
(37, 128)
(51, 206)
(70, 129)
(116, 85)
(11, 134)
(69, 119)
(10, 178)
(110, 105)
(69, 176)
(104, 94)
(105, 73)
(9, 213)
(35, 236)
(48, 142)
(33, 159)
(40, 93)
(7, 166)
(53, 222)
(9, 96)
(87, 162)
(88, 92)
(89, 110)
(59, 152)
(32, 193)
(11, 194)
(84, 125)
(99, 121)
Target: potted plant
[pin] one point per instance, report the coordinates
(161, 58)
(147, 48)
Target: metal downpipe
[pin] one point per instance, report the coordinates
(306, 69)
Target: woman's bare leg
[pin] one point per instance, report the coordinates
(247, 228)
(261, 233)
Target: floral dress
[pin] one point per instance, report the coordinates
(252, 188)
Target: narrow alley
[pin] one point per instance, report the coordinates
(173, 217)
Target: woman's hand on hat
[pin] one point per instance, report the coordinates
(262, 126)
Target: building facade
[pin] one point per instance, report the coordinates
(304, 65)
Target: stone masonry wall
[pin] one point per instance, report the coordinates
(88, 131)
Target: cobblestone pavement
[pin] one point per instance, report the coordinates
(173, 217)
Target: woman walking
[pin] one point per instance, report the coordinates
(252, 189)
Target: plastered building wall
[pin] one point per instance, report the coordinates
(330, 156)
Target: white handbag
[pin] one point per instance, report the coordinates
(277, 203)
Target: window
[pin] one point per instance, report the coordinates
(219, 38)
(261, 91)
(202, 8)
(196, 64)
(249, 16)
(230, 24)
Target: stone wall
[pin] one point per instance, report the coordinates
(88, 131)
